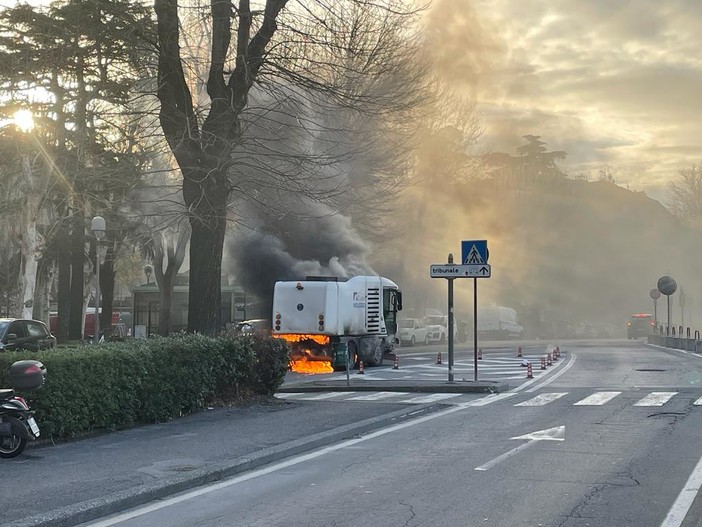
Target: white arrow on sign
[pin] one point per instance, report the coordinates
(550, 434)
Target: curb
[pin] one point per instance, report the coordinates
(120, 501)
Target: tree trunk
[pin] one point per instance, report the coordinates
(166, 300)
(75, 328)
(64, 287)
(43, 291)
(205, 297)
(31, 253)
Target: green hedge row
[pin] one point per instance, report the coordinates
(117, 385)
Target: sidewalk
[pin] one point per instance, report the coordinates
(70, 483)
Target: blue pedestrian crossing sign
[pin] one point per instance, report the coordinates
(474, 252)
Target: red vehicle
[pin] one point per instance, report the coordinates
(640, 325)
(89, 322)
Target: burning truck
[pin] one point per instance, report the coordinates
(332, 321)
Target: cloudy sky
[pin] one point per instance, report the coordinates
(611, 82)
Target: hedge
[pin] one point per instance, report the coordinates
(117, 385)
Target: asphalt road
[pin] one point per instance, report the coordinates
(608, 438)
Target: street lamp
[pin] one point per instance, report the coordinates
(148, 269)
(97, 225)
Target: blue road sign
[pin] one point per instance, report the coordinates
(474, 252)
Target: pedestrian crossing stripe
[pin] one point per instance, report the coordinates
(596, 399)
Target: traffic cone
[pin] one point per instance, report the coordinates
(558, 350)
(519, 351)
(555, 355)
(438, 358)
(549, 361)
(530, 374)
(543, 363)
(396, 364)
(480, 354)
(361, 369)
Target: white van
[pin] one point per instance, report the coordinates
(499, 322)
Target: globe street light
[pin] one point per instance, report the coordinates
(97, 225)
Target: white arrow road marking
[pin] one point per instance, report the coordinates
(542, 399)
(598, 399)
(698, 402)
(656, 399)
(550, 434)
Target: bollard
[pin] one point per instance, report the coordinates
(543, 363)
(438, 358)
(549, 362)
(519, 351)
(530, 374)
(396, 364)
(480, 354)
(361, 369)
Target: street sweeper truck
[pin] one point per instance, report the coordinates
(331, 321)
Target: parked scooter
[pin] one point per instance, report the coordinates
(17, 424)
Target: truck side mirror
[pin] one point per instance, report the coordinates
(398, 300)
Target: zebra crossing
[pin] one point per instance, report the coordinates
(596, 399)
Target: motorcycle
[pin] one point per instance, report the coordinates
(17, 423)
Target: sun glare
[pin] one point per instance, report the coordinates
(24, 120)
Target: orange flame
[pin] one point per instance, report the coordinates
(298, 337)
(303, 360)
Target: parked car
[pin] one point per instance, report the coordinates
(255, 325)
(412, 330)
(17, 334)
(437, 328)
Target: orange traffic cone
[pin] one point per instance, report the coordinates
(519, 351)
(396, 364)
(530, 374)
(480, 354)
(361, 369)
(438, 358)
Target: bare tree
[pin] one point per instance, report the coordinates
(685, 196)
(309, 54)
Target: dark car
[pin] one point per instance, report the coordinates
(639, 325)
(25, 334)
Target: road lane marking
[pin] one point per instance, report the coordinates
(597, 399)
(506, 455)
(550, 378)
(375, 396)
(325, 395)
(542, 399)
(698, 402)
(489, 399)
(303, 458)
(656, 399)
(676, 514)
(434, 397)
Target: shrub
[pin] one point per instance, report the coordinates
(116, 385)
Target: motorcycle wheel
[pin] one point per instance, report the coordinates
(12, 446)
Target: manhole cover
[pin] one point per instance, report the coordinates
(649, 369)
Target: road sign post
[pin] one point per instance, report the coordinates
(474, 257)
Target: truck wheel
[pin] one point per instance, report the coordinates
(378, 356)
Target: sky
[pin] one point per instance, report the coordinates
(613, 83)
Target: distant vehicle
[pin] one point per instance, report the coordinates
(247, 327)
(640, 325)
(499, 322)
(25, 334)
(412, 330)
(437, 328)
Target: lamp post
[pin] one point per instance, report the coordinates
(97, 225)
(148, 269)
